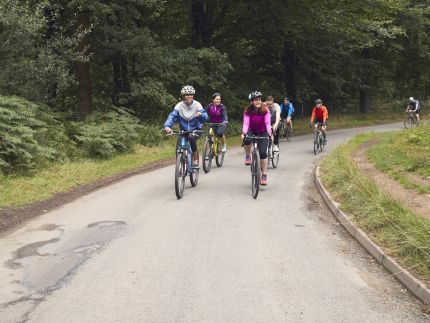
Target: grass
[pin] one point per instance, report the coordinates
(43, 184)
(404, 153)
(401, 233)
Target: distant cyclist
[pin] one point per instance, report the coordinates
(287, 111)
(414, 106)
(256, 121)
(320, 115)
(275, 118)
(191, 116)
(218, 114)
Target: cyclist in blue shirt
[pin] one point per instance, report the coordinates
(191, 116)
(287, 111)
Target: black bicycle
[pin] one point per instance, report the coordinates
(318, 139)
(184, 158)
(255, 164)
(212, 149)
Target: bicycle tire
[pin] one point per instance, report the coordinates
(321, 144)
(180, 171)
(207, 156)
(219, 156)
(275, 158)
(194, 177)
(408, 123)
(316, 143)
(255, 174)
(287, 132)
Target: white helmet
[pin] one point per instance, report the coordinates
(188, 89)
(411, 99)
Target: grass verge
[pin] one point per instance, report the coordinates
(19, 190)
(402, 234)
(405, 157)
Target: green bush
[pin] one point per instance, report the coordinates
(151, 135)
(104, 134)
(30, 135)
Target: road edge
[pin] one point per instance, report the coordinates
(414, 285)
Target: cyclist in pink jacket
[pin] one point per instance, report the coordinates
(256, 121)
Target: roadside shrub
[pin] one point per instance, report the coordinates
(151, 135)
(30, 135)
(104, 134)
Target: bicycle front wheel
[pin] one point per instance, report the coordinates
(408, 123)
(316, 144)
(274, 157)
(219, 156)
(180, 173)
(255, 173)
(207, 156)
(194, 177)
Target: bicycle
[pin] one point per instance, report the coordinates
(289, 131)
(411, 120)
(212, 148)
(272, 154)
(318, 139)
(255, 164)
(184, 165)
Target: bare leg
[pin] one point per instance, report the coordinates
(196, 158)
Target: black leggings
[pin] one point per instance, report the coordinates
(219, 130)
(276, 135)
(262, 143)
(192, 139)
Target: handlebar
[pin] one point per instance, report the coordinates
(185, 132)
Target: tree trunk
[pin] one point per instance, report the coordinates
(120, 77)
(83, 70)
(364, 100)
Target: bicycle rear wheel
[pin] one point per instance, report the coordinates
(180, 173)
(219, 157)
(321, 144)
(255, 173)
(207, 156)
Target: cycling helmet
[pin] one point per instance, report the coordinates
(318, 101)
(254, 95)
(215, 95)
(188, 89)
(411, 98)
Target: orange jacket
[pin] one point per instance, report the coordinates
(321, 114)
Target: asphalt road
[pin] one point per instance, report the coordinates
(132, 252)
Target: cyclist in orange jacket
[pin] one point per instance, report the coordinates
(320, 115)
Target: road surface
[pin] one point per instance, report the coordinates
(132, 252)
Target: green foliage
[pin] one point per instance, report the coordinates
(151, 135)
(29, 135)
(104, 134)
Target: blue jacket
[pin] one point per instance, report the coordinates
(193, 124)
(290, 108)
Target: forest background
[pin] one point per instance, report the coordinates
(90, 78)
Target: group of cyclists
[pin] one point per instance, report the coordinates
(260, 118)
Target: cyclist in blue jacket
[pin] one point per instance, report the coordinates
(287, 111)
(191, 116)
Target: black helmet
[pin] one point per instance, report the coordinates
(254, 95)
(318, 101)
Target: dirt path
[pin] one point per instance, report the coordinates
(417, 202)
